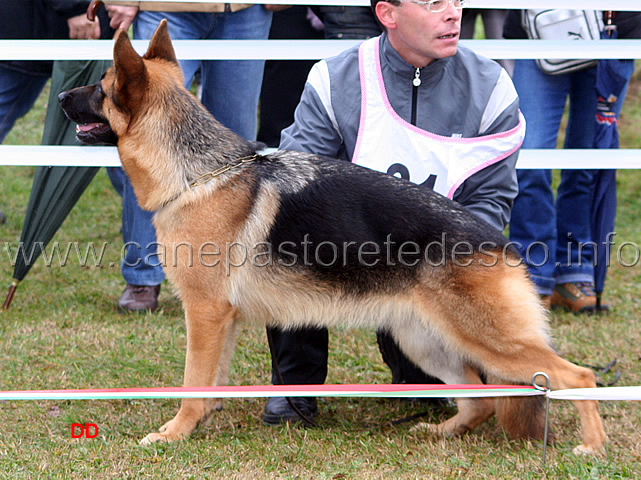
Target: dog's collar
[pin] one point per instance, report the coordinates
(209, 176)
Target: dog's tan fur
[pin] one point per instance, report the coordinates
(452, 321)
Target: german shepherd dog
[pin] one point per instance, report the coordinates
(296, 240)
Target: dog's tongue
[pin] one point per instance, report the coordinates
(86, 127)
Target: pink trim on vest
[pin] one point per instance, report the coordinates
(468, 174)
(425, 133)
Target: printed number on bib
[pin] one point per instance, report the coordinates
(401, 171)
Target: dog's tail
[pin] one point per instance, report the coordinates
(522, 417)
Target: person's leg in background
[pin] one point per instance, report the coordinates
(349, 22)
(493, 20)
(232, 101)
(284, 80)
(18, 92)
(231, 88)
(573, 202)
(533, 221)
(181, 26)
(468, 22)
(575, 257)
(300, 356)
(140, 266)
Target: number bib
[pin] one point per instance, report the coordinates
(389, 144)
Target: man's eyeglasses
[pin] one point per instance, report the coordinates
(437, 6)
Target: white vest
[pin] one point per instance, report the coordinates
(389, 144)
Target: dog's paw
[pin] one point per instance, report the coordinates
(159, 437)
(586, 450)
(152, 438)
(164, 434)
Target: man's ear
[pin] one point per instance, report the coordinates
(160, 46)
(386, 14)
(130, 71)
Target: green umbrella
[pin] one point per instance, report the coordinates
(55, 190)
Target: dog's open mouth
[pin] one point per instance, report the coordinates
(95, 132)
(92, 128)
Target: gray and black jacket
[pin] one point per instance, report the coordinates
(458, 96)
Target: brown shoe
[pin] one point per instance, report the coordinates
(139, 298)
(578, 297)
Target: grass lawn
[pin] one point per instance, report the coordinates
(63, 331)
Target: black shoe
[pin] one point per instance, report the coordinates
(278, 410)
(2, 218)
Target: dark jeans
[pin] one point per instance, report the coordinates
(301, 357)
(349, 22)
(284, 80)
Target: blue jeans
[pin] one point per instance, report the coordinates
(230, 91)
(230, 88)
(140, 264)
(548, 232)
(18, 92)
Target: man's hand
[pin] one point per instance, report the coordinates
(82, 28)
(121, 17)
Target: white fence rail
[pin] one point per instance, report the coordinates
(317, 49)
(516, 4)
(83, 156)
(307, 49)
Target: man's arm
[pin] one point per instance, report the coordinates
(314, 129)
(490, 193)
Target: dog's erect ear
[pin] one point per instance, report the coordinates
(130, 70)
(160, 46)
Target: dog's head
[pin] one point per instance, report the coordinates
(104, 111)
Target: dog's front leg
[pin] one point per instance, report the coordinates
(209, 328)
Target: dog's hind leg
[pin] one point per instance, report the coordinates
(505, 332)
(471, 412)
(428, 351)
(563, 375)
(210, 330)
